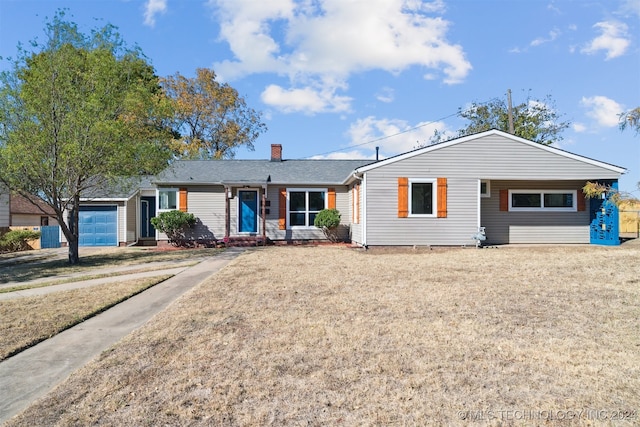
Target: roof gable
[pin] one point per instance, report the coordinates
(493, 132)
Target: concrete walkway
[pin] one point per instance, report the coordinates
(32, 373)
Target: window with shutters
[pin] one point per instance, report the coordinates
(303, 205)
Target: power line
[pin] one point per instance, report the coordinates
(388, 136)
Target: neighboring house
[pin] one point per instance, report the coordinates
(27, 214)
(520, 191)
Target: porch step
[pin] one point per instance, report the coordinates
(147, 242)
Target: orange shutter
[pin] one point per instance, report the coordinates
(182, 202)
(282, 218)
(442, 197)
(403, 197)
(504, 200)
(582, 202)
(331, 200)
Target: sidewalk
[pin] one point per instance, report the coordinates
(32, 373)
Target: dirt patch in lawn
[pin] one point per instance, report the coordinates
(30, 320)
(335, 336)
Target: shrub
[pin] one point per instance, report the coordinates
(174, 224)
(328, 220)
(17, 240)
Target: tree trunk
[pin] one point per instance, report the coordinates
(73, 232)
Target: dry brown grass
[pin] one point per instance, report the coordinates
(333, 336)
(30, 320)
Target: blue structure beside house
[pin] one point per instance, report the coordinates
(605, 219)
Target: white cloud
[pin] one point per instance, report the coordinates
(613, 40)
(324, 42)
(603, 110)
(151, 9)
(393, 136)
(579, 127)
(630, 7)
(306, 100)
(386, 94)
(553, 34)
(347, 155)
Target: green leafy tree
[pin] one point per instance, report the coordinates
(630, 119)
(211, 119)
(534, 119)
(174, 224)
(79, 115)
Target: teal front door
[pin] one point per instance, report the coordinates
(248, 212)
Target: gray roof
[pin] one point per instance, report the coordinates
(285, 172)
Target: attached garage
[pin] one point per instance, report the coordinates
(98, 225)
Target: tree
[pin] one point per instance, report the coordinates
(80, 115)
(631, 119)
(211, 118)
(534, 119)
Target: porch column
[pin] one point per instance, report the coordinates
(264, 213)
(227, 213)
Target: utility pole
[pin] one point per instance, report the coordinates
(510, 113)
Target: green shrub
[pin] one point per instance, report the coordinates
(17, 240)
(174, 224)
(328, 220)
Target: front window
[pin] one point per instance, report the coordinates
(304, 205)
(422, 197)
(167, 199)
(549, 200)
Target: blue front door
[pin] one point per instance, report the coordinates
(248, 221)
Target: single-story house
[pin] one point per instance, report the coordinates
(25, 213)
(517, 190)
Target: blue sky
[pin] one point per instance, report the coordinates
(336, 78)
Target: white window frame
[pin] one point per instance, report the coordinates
(573, 208)
(306, 212)
(434, 196)
(175, 190)
(488, 185)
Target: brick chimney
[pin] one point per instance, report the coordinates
(276, 152)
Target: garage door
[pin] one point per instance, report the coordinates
(98, 226)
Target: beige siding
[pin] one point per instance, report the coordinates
(534, 227)
(208, 206)
(131, 219)
(30, 220)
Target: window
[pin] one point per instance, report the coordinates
(304, 205)
(167, 199)
(422, 198)
(548, 200)
(485, 188)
